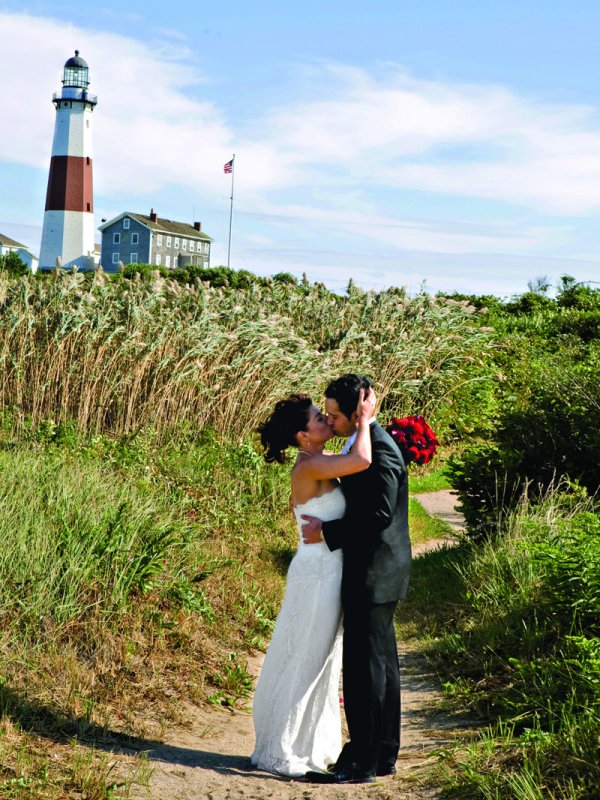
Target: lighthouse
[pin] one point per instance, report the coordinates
(68, 232)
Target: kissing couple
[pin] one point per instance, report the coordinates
(353, 561)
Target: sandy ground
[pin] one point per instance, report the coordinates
(209, 757)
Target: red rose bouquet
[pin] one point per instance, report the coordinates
(414, 437)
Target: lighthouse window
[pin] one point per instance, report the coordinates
(116, 238)
(134, 258)
(126, 224)
(135, 238)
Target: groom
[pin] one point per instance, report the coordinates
(373, 534)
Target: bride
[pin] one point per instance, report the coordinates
(296, 704)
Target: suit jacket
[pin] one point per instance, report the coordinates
(373, 533)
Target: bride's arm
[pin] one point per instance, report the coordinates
(359, 459)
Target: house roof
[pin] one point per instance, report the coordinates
(161, 225)
(8, 242)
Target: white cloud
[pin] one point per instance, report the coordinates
(473, 141)
(333, 165)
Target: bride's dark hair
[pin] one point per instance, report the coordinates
(278, 432)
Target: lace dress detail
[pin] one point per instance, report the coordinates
(296, 703)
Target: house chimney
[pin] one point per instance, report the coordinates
(198, 226)
(153, 215)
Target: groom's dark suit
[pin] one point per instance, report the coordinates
(373, 534)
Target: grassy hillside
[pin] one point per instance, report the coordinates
(145, 541)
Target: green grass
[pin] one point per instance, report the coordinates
(422, 526)
(426, 479)
(516, 639)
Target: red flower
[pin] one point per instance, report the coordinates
(414, 437)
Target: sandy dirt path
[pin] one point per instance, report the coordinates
(209, 757)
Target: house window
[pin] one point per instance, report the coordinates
(191, 247)
(133, 259)
(167, 261)
(158, 239)
(135, 238)
(176, 243)
(126, 224)
(116, 238)
(206, 247)
(158, 260)
(184, 244)
(168, 241)
(116, 258)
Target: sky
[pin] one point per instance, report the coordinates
(447, 144)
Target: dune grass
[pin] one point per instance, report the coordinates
(512, 628)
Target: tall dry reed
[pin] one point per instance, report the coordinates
(119, 356)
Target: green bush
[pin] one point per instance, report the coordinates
(551, 434)
(524, 651)
(11, 263)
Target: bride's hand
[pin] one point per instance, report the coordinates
(366, 404)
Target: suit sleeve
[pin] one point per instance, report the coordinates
(372, 508)
(333, 533)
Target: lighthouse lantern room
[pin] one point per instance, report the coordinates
(68, 232)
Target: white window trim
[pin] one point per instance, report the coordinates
(158, 259)
(133, 258)
(135, 238)
(158, 239)
(168, 261)
(116, 238)
(176, 243)
(126, 222)
(184, 244)
(168, 241)
(192, 247)
(116, 257)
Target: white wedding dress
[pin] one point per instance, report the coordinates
(296, 704)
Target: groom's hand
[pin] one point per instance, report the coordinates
(311, 530)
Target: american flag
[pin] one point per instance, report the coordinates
(228, 167)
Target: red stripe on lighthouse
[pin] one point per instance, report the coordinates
(70, 184)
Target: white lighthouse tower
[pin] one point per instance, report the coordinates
(68, 232)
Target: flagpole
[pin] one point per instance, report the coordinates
(231, 209)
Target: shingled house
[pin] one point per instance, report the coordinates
(139, 239)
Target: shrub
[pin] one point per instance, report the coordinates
(12, 264)
(549, 433)
(525, 651)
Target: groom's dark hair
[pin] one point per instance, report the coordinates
(345, 391)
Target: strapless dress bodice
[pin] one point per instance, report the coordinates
(326, 507)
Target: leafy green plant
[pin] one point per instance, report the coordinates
(524, 650)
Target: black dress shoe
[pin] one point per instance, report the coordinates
(339, 776)
(386, 770)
